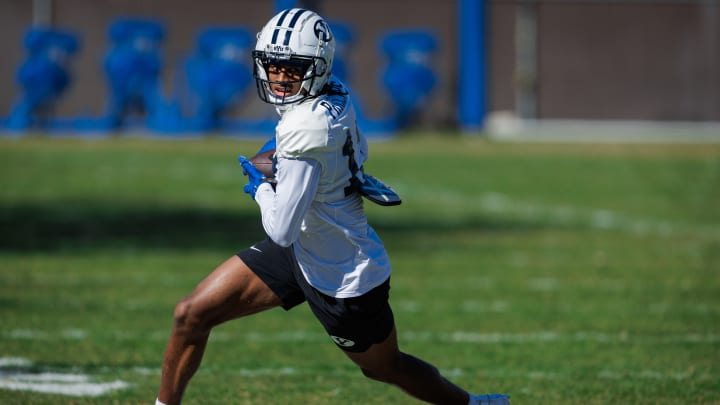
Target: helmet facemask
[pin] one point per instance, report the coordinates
(311, 69)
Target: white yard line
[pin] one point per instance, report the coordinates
(15, 375)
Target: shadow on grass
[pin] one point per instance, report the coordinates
(34, 227)
(94, 225)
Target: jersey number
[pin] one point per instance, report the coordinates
(349, 151)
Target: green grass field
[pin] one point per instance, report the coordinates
(560, 274)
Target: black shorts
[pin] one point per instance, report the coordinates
(354, 324)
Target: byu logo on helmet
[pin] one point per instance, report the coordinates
(322, 31)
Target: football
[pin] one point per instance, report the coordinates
(264, 162)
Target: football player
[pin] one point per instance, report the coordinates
(319, 247)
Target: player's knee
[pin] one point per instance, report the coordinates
(386, 372)
(374, 374)
(393, 368)
(185, 317)
(181, 313)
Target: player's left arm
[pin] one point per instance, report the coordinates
(284, 208)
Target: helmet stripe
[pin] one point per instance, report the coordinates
(288, 33)
(288, 29)
(296, 17)
(278, 26)
(282, 17)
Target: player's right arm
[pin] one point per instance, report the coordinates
(284, 208)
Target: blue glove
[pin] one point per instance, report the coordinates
(269, 145)
(255, 178)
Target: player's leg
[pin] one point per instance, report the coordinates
(364, 328)
(231, 291)
(386, 363)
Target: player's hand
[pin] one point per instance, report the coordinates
(255, 178)
(269, 145)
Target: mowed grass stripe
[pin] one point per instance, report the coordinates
(458, 337)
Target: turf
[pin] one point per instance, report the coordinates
(558, 273)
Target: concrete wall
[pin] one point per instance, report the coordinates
(629, 61)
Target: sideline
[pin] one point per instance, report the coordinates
(505, 126)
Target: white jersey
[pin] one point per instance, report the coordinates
(313, 208)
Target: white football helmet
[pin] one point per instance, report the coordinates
(299, 38)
